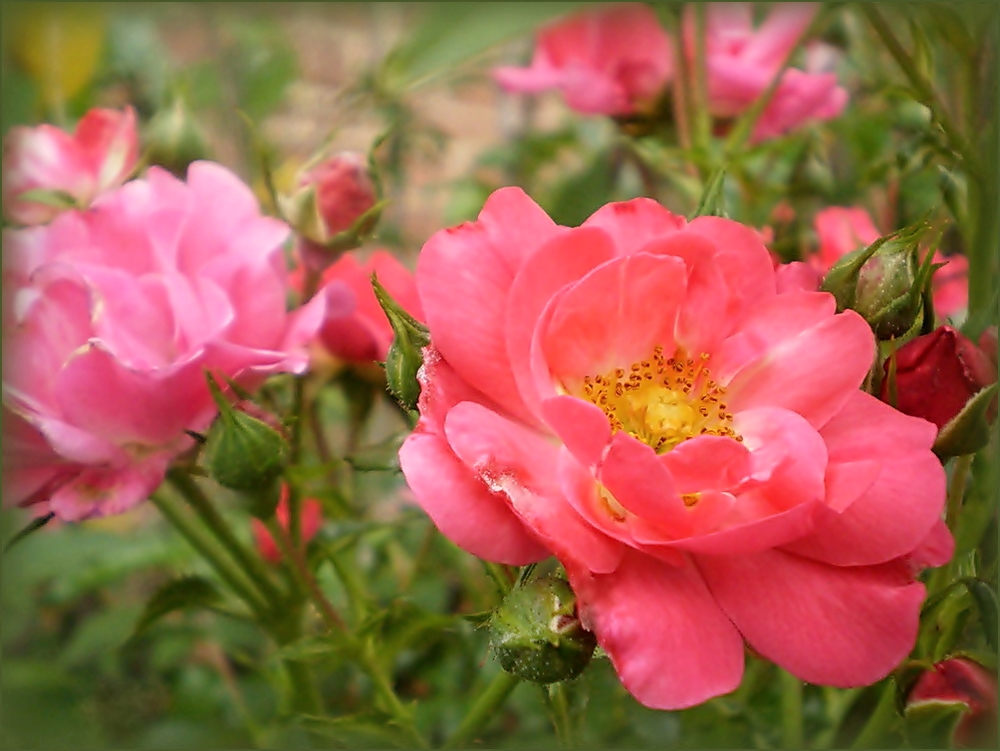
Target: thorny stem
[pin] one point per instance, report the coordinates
(923, 87)
(209, 548)
(251, 564)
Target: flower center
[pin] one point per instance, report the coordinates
(662, 402)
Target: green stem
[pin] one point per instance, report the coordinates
(384, 690)
(303, 576)
(252, 565)
(483, 709)
(305, 695)
(559, 708)
(924, 89)
(876, 732)
(791, 711)
(208, 547)
(699, 91)
(295, 452)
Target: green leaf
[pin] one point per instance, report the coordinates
(580, 194)
(452, 33)
(710, 203)
(310, 648)
(179, 594)
(986, 602)
(265, 64)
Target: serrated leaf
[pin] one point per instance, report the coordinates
(179, 594)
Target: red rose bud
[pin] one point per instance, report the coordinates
(959, 681)
(312, 520)
(936, 375)
(336, 203)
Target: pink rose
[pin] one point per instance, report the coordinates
(112, 316)
(99, 155)
(843, 230)
(312, 520)
(634, 397)
(964, 681)
(741, 62)
(613, 60)
(365, 335)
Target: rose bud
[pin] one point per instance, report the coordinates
(245, 454)
(537, 634)
(312, 520)
(968, 684)
(936, 374)
(173, 139)
(334, 207)
(405, 355)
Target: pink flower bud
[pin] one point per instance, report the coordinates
(46, 170)
(937, 373)
(312, 520)
(968, 682)
(332, 196)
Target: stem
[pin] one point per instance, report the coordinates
(924, 88)
(953, 506)
(385, 691)
(209, 548)
(251, 564)
(791, 711)
(483, 709)
(699, 91)
(559, 706)
(295, 452)
(303, 576)
(875, 732)
(305, 695)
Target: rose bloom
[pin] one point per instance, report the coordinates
(112, 316)
(741, 62)
(613, 60)
(312, 520)
(842, 230)
(634, 397)
(98, 156)
(365, 335)
(962, 680)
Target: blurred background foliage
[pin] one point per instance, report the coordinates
(409, 83)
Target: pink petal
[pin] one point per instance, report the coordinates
(779, 33)
(560, 261)
(614, 316)
(471, 268)
(707, 462)
(632, 224)
(670, 644)
(832, 626)
(936, 549)
(521, 464)
(107, 491)
(814, 373)
(639, 482)
(866, 428)
(582, 427)
(462, 507)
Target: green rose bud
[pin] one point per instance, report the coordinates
(406, 351)
(173, 139)
(245, 454)
(885, 282)
(537, 635)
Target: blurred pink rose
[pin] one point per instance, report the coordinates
(843, 230)
(613, 60)
(331, 196)
(111, 317)
(634, 397)
(312, 520)
(741, 62)
(365, 335)
(99, 155)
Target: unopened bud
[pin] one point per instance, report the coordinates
(335, 205)
(957, 698)
(885, 282)
(405, 355)
(537, 635)
(245, 454)
(173, 139)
